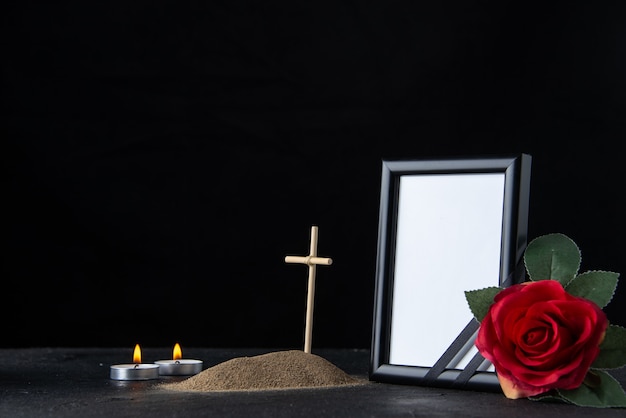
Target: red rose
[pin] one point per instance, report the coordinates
(539, 337)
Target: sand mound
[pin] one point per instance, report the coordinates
(276, 370)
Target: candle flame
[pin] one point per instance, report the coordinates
(177, 353)
(137, 354)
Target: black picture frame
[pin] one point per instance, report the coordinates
(418, 334)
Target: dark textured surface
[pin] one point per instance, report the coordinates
(74, 382)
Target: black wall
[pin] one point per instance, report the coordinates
(160, 159)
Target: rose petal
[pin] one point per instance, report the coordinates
(514, 390)
(539, 337)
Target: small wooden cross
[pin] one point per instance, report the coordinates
(312, 260)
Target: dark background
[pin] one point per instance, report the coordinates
(159, 159)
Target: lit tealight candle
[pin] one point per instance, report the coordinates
(179, 366)
(135, 371)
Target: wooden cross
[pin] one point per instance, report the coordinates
(312, 260)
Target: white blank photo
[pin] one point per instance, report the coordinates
(449, 231)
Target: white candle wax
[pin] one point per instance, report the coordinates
(179, 367)
(136, 371)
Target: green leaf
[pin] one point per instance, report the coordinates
(480, 300)
(552, 256)
(551, 396)
(605, 392)
(597, 286)
(612, 350)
